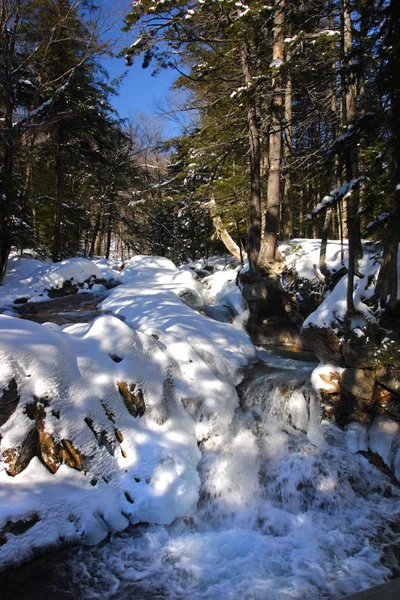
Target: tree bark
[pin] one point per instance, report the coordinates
(288, 208)
(387, 284)
(269, 252)
(350, 157)
(254, 239)
(222, 233)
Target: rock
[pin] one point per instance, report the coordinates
(70, 456)
(68, 288)
(51, 452)
(17, 527)
(23, 300)
(387, 400)
(8, 401)
(133, 398)
(277, 332)
(325, 343)
(360, 351)
(359, 383)
(333, 380)
(19, 458)
(345, 349)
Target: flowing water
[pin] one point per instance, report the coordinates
(285, 512)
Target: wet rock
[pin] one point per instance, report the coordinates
(221, 313)
(277, 331)
(68, 288)
(325, 343)
(9, 400)
(133, 398)
(17, 527)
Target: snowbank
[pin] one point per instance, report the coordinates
(103, 420)
(119, 467)
(32, 279)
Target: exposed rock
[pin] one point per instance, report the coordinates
(118, 435)
(19, 458)
(377, 462)
(277, 332)
(70, 456)
(360, 351)
(23, 300)
(68, 288)
(333, 379)
(387, 400)
(345, 349)
(357, 396)
(359, 383)
(17, 527)
(8, 401)
(133, 398)
(102, 436)
(325, 343)
(51, 452)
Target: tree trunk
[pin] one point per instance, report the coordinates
(254, 239)
(222, 233)
(287, 203)
(387, 284)
(350, 156)
(6, 200)
(324, 241)
(269, 251)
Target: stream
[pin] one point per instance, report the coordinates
(285, 512)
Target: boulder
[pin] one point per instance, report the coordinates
(325, 343)
(9, 400)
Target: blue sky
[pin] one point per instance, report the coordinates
(139, 90)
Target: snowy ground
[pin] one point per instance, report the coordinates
(274, 504)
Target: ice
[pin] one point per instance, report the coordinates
(356, 437)
(384, 435)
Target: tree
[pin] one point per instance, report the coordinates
(46, 48)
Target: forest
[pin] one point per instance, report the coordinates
(200, 333)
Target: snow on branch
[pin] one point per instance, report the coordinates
(337, 194)
(376, 223)
(353, 131)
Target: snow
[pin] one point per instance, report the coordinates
(326, 370)
(333, 309)
(303, 254)
(74, 371)
(185, 364)
(32, 278)
(260, 496)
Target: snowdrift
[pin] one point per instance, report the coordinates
(100, 422)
